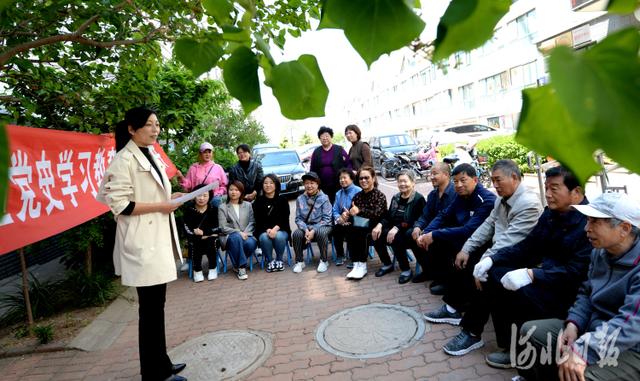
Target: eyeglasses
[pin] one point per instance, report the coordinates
(365, 177)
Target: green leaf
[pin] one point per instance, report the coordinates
(623, 6)
(546, 127)
(373, 27)
(467, 24)
(198, 56)
(236, 34)
(600, 88)
(4, 168)
(241, 77)
(299, 88)
(220, 10)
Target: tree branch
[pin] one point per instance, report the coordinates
(76, 36)
(8, 98)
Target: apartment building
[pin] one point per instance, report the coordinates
(482, 86)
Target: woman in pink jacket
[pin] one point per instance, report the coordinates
(205, 171)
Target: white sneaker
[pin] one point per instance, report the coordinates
(359, 270)
(353, 271)
(323, 266)
(298, 267)
(242, 274)
(197, 276)
(213, 274)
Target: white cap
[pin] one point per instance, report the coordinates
(613, 205)
(206, 146)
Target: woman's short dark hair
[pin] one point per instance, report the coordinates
(238, 184)
(210, 192)
(276, 181)
(371, 171)
(244, 147)
(324, 129)
(348, 172)
(355, 129)
(464, 168)
(569, 179)
(136, 118)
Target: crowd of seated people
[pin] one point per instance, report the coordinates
(565, 277)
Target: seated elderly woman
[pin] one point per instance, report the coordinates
(313, 218)
(236, 224)
(368, 208)
(341, 206)
(395, 227)
(201, 227)
(600, 338)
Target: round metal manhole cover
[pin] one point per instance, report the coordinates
(373, 330)
(223, 355)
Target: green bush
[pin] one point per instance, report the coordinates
(504, 147)
(44, 333)
(83, 290)
(46, 299)
(445, 149)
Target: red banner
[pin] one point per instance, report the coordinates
(53, 180)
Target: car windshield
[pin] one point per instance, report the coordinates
(395, 140)
(269, 159)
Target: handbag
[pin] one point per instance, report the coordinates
(361, 222)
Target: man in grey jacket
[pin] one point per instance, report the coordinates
(601, 336)
(514, 215)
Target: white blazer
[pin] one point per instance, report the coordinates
(147, 244)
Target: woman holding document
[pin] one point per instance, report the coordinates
(138, 192)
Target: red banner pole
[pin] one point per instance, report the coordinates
(25, 287)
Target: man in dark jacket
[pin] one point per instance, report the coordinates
(443, 238)
(248, 171)
(601, 336)
(535, 278)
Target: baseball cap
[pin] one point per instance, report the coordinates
(613, 205)
(311, 176)
(206, 146)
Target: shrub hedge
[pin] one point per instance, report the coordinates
(496, 148)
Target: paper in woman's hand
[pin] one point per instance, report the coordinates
(190, 196)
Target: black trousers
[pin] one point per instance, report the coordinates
(437, 262)
(461, 285)
(154, 362)
(358, 243)
(399, 245)
(507, 308)
(200, 247)
(339, 233)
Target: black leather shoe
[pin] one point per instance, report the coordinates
(419, 278)
(383, 271)
(405, 278)
(177, 368)
(175, 377)
(438, 289)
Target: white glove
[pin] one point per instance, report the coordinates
(481, 269)
(516, 279)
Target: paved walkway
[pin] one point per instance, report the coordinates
(290, 307)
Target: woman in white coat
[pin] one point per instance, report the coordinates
(237, 223)
(138, 192)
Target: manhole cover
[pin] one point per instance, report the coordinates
(373, 330)
(223, 355)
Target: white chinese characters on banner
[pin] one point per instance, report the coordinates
(46, 181)
(22, 174)
(65, 172)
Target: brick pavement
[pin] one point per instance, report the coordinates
(290, 306)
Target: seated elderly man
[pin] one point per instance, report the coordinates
(535, 278)
(601, 336)
(514, 215)
(443, 238)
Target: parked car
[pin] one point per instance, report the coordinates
(286, 164)
(466, 133)
(259, 148)
(393, 143)
(305, 153)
